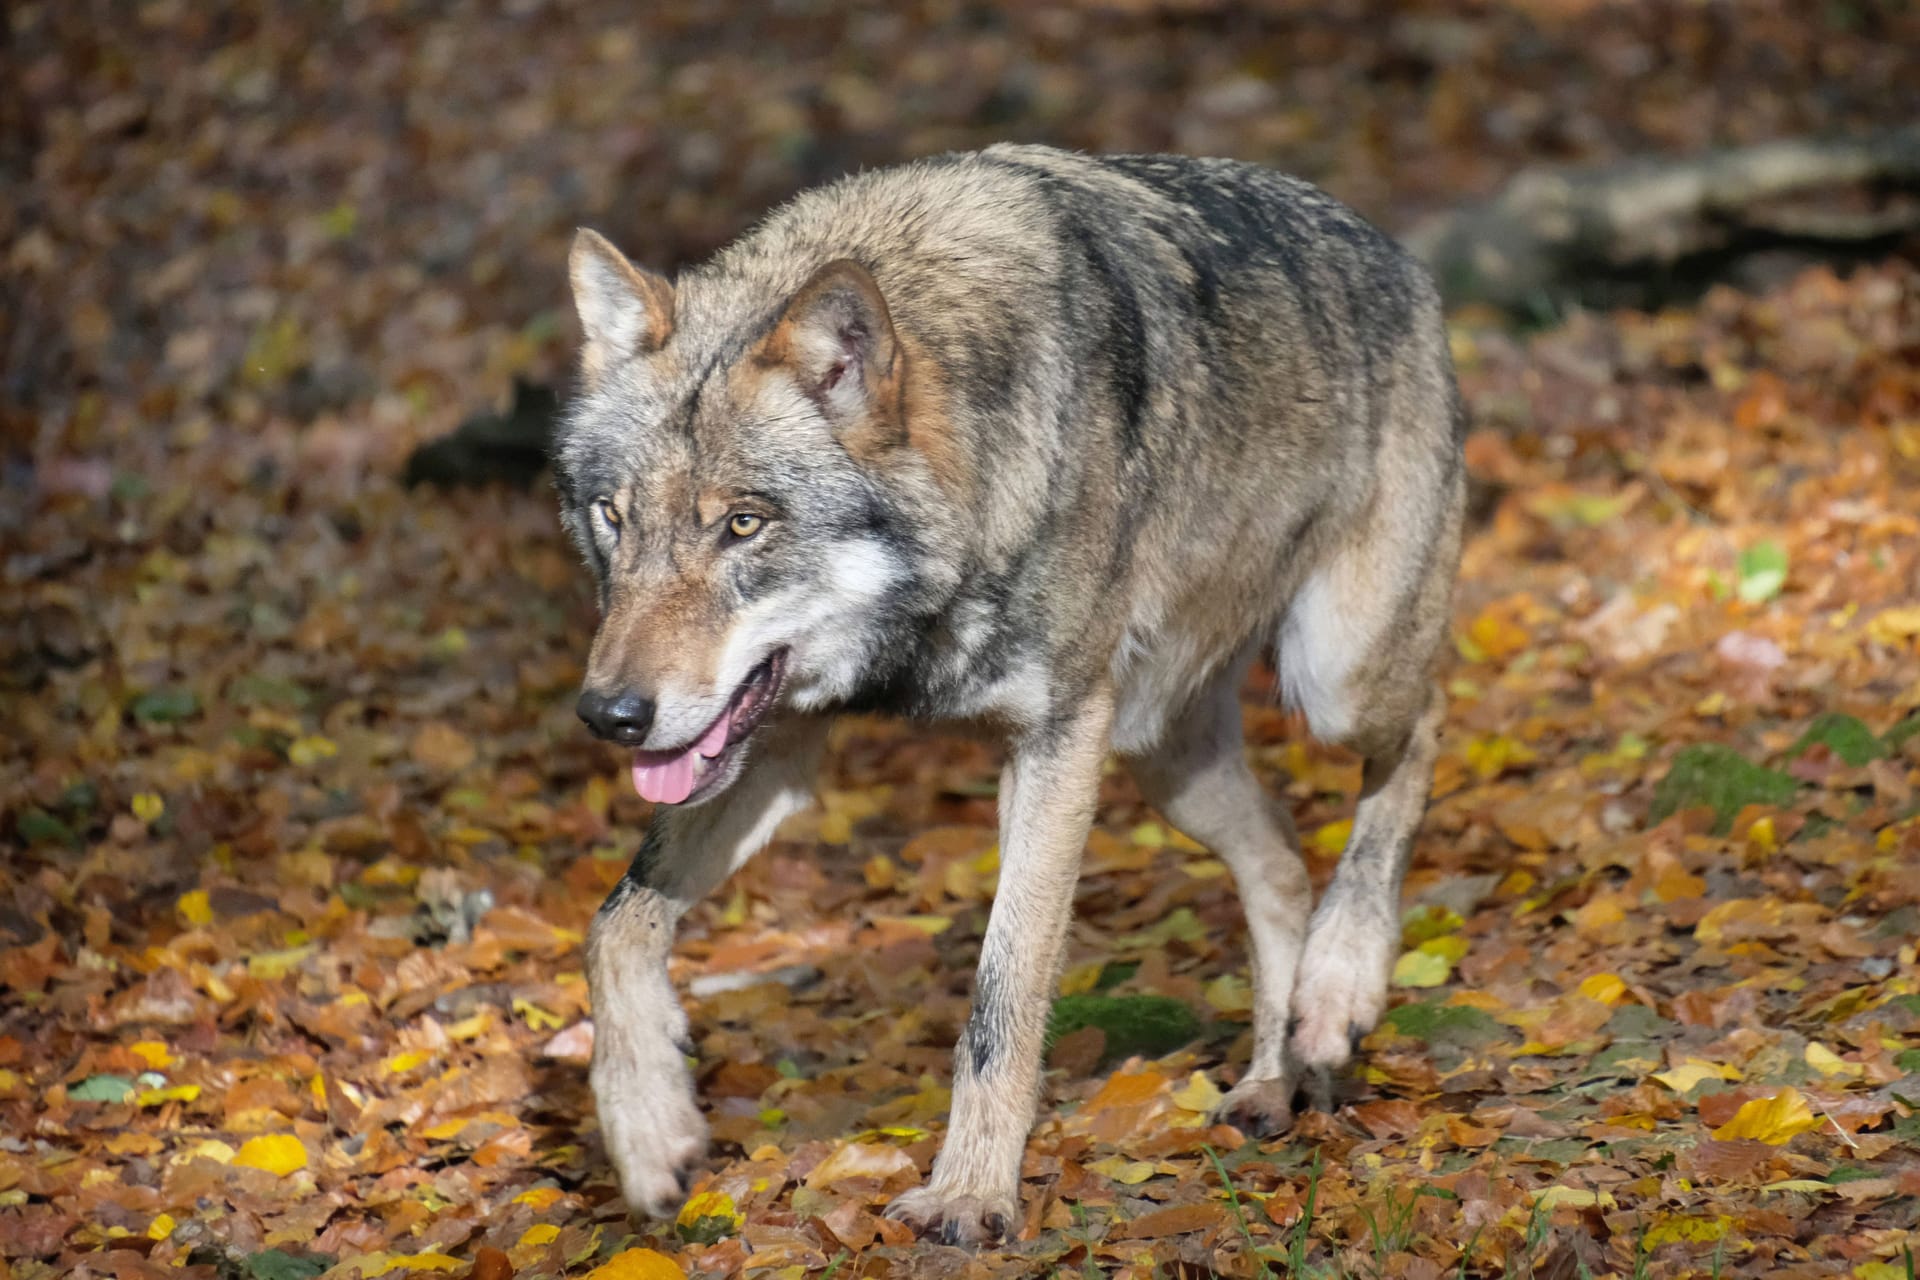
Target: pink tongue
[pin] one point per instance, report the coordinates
(667, 778)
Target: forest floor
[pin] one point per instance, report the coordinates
(302, 836)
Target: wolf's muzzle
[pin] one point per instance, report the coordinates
(622, 717)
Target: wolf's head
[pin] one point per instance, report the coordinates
(724, 472)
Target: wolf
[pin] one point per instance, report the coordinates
(1053, 446)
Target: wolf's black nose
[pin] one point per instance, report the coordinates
(621, 717)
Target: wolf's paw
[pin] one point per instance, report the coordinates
(1341, 990)
(954, 1219)
(1258, 1108)
(652, 1127)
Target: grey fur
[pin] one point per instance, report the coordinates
(1052, 444)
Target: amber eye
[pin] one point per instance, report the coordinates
(609, 513)
(744, 525)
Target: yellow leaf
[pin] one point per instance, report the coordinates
(903, 1132)
(1559, 1197)
(277, 1153)
(1330, 839)
(153, 1053)
(407, 1060)
(1197, 1094)
(445, 1130)
(194, 907)
(538, 1234)
(161, 1227)
(1449, 947)
(1081, 978)
(1128, 1173)
(1420, 969)
(370, 1265)
(1761, 837)
(1607, 988)
(176, 1093)
(278, 964)
(1713, 704)
(311, 750)
(932, 926)
(637, 1264)
(206, 1149)
(1894, 625)
(472, 1025)
(148, 807)
(1807, 1186)
(1150, 835)
(1772, 1120)
(1882, 1270)
(537, 1018)
(1676, 1229)
(540, 1199)
(1829, 1063)
(710, 1204)
(1490, 755)
(1230, 993)
(1684, 1077)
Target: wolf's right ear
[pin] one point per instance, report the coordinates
(624, 310)
(836, 337)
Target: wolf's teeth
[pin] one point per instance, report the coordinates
(699, 765)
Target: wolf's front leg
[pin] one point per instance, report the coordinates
(1047, 796)
(650, 1121)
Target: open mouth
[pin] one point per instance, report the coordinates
(670, 777)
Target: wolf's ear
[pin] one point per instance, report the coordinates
(623, 310)
(836, 336)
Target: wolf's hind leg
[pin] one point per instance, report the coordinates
(1342, 989)
(1198, 778)
(650, 1120)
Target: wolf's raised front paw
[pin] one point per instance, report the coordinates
(652, 1127)
(1258, 1108)
(1341, 990)
(952, 1218)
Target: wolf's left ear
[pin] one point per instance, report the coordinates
(837, 338)
(624, 310)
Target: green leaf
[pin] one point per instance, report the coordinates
(1146, 1025)
(1845, 736)
(37, 826)
(1763, 571)
(1439, 1023)
(705, 1230)
(278, 1264)
(165, 706)
(1720, 778)
(1179, 926)
(102, 1089)
(266, 691)
(1897, 736)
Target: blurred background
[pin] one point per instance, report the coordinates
(238, 212)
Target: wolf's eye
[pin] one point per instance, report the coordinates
(744, 524)
(609, 513)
